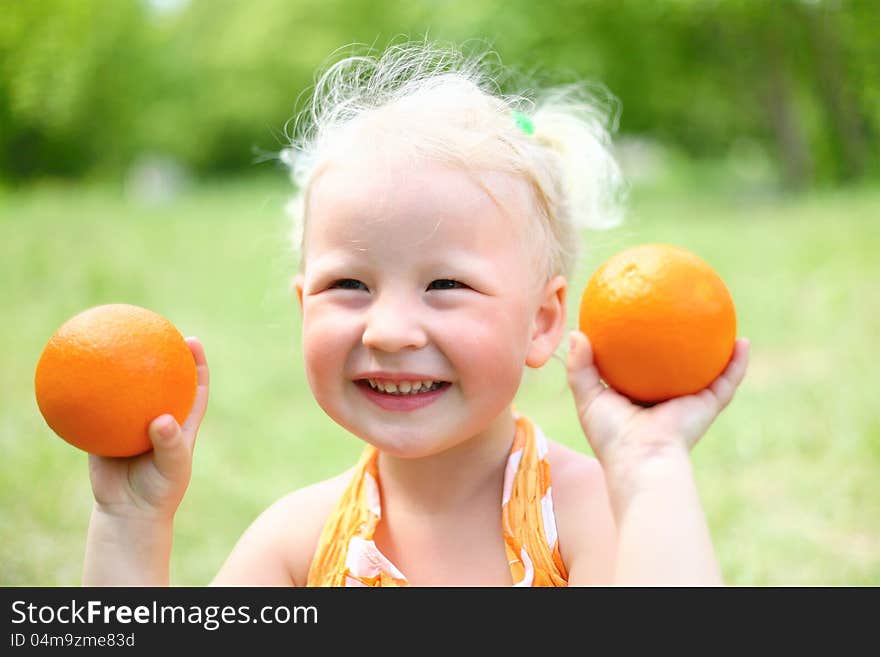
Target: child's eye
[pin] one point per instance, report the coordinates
(446, 284)
(348, 284)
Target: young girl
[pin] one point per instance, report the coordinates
(438, 224)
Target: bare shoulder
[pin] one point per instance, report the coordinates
(584, 520)
(303, 514)
(277, 549)
(569, 467)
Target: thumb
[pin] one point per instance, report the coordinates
(583, 377)
(170, 453)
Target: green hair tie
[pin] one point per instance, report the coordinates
(524, 122)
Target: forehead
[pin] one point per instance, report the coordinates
(415, 203)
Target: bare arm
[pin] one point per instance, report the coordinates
(127, 551)
(663, 537)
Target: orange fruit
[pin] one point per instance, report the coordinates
(107, 372)
(660, 320)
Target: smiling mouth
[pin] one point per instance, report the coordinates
(403, 388)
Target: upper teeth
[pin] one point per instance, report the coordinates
(403, 387)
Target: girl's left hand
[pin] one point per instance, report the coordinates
(621, 431)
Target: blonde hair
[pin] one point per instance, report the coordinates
(447, 106)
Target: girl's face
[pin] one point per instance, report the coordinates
(421, 303)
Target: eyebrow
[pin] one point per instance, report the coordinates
(329, 261)
(461, 260)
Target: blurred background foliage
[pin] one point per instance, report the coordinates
(87, 87)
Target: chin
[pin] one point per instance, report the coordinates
(406, 444)
(399, 442)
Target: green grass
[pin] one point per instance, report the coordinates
(788, 473)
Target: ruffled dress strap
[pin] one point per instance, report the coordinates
(346, 553)
(527, 516)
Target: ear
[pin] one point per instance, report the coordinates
(549, 323)
(298, 284)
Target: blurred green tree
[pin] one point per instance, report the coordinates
(73, 74)
(88, 85)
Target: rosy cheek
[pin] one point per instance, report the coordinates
(495, 344)
(322, 340)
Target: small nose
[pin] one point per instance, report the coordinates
(393, 324)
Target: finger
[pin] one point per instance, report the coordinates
(724, 387)
(171, 454)
(583, 377)
(191, 423)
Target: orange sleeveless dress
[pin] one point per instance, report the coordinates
(348, 556)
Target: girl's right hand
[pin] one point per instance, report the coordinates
(151, 485)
